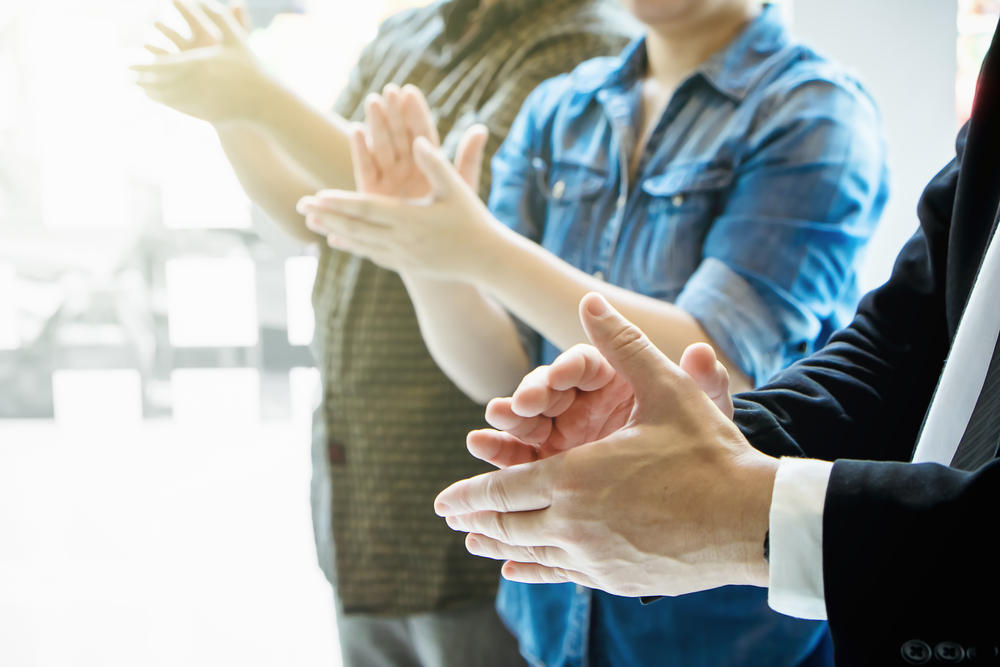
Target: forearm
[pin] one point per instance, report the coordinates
(518, 267)
(319, 143)
(268, 176)
(472, 339)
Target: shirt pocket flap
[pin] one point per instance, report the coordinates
(685, 179)
(568, 182)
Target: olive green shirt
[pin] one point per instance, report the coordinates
(390, 433)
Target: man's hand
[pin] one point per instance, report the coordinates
(214, 76)
(448, 234)
(674, 501)
(383, 154)
(580, 398)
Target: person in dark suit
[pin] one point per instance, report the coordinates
(658, 493)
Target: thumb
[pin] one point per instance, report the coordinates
(649, 372)
(444, 180)
(469, 158)
(241, 12)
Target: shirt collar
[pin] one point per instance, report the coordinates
(731, 69)
(456, 13)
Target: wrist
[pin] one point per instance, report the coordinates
(497, 250)
(758, 472)
(267, 102)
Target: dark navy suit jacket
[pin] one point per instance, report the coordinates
(910, 552)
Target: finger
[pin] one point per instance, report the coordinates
(156, 51)
(241, 12)
(417, 116)
(533, 429)
(378, 124)
(630, 352)
(535, 395)
(179, 41)
(482, 545)
(366, 172)
(346, 229)
(401, 143)
(701, 363)
(445, 181)
(500, 449)
(532, 573)
(518, 529)
(173, 67)
(199, 29)
(376, 209)
(581, 367)
(469, 158)
(223, 20)
(516, 489)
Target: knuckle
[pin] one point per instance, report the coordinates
(496, 495)
(629, 342)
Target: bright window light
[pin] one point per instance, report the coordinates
(81, 153)
(306, 393)
(97, 396)
(206, 397)
(9, 336)
(200, 190)
(212, 302)
(300, 274)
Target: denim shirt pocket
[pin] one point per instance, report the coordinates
(572, 201)
(683, 201)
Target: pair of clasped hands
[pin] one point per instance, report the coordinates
(619, 469)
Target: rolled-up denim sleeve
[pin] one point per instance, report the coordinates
(779, 260)
(735, 317)
(515, 198)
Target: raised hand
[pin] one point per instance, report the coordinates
(580, 398)
(445, 235)
(383, 152)
(675, 501)
(214, 75)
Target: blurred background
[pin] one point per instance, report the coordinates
(156, 383)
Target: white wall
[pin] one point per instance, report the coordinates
(905, 53)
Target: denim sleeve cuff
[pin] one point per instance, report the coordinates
(736, 318)
(795, 586)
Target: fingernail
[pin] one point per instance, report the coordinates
(597, 307)
(442, 508)
(472, 544)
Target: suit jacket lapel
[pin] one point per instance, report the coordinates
(977, 198)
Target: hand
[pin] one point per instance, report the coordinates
(383, 156)
(449, 234)
(212, 77)
(580, 398)
(675, 501)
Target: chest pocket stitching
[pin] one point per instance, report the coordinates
(578, 181)
(687, 179)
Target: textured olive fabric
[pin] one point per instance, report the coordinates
(391, 431)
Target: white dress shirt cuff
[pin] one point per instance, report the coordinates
(796, 538)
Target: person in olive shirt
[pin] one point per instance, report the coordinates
(390, 433)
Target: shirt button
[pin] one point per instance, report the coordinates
(677, 200)
(558, 189)
(599, 275)
(621, 201)
(580, 590)
(916, 652)
(949, 652)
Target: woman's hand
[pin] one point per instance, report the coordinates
(448, 234)
(383, 152)
(214, 76)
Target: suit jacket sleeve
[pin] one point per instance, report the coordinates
(908, 552)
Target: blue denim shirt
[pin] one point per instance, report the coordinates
(752, 202)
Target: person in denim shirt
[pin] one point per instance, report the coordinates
(746, 208)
